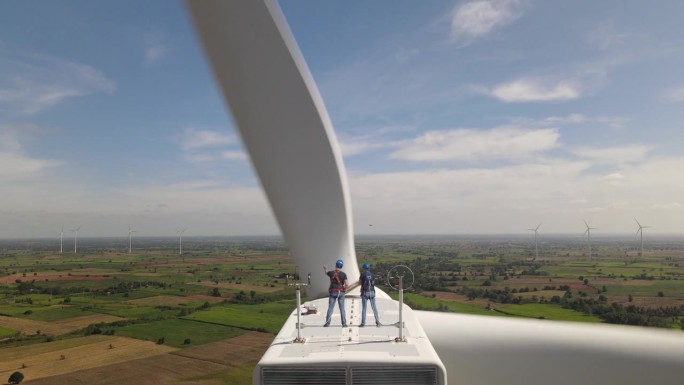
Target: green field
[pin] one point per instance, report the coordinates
(419, 302)
(268, 316)
(6, 332)
(650, 289)
(44, 313)
(176, 331)
(546, 311)
(132, 312)
(234, 376)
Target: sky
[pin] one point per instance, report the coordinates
(454, 117)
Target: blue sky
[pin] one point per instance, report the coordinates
(455, 117)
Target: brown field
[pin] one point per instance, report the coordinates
(44, 360)
(239, 286)
(227, 260)
(81, 322)
(204, 298)
(93, 270)
(547, 294)
(162, 300)
(147, 274)
(647, 302)
(574, 284)
(455, 297)
(29, 327)
(52, 277)
(52, 257)
(184, 367)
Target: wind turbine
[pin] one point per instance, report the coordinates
(640, 231)
(76, 238)
(130, 231)
(180, 241)
(536, 249)
(61, 240)
(276, 105)
(588, 232)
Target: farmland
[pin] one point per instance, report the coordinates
(207, 316)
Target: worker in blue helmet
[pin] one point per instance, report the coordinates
(367, 281)
(338, 285)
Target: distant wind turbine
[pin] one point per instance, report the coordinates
(180, 241)
(76, 238)
(130, 231)
(61, 240)
(640, 231)
(536, 248)
(588, 232)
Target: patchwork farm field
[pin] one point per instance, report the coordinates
(60, 357)
(205, 317)
(226, 362)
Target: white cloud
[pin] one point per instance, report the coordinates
(156, 48)
(14, 163)
(204, 146)
(17, 165)
(605, 36)
(478, 145)
(363, 145)
(475, 200)
(198, 138)
(569, 119)
(34, 83)
(502, 199)
(154, 53)
(614, 179)
(536, 90)
(215, 156)
(613, 121)
(478, 18)
(594, 210)
(676, 95)
(617, 155)
(234, 155)
(203, 206)
(667, 206)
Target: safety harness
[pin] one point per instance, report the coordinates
(335, 279)
(368, 282)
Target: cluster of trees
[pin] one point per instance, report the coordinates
(616, 313)
(28, 287)
(125, 287)
(253, 298)
(612, 313)
(429, 273)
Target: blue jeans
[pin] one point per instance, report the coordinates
(339, 297)
(368, 295)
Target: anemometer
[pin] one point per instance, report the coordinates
(298, 290)
(396, 275)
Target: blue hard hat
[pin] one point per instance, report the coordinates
(366, 266)
(339, 263)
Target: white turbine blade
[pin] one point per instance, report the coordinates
(639, 224)
(537, 228)
(624, 355)
(285, 128)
